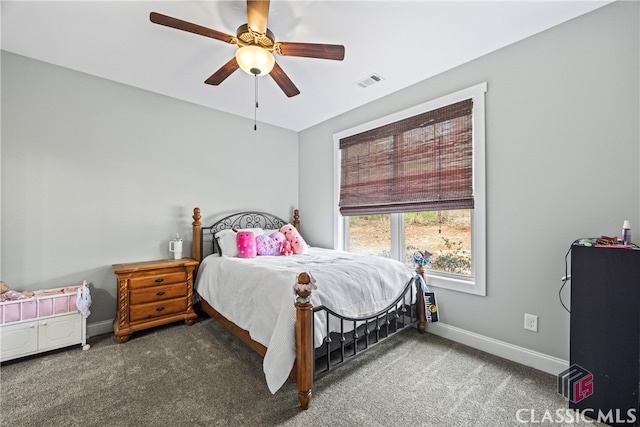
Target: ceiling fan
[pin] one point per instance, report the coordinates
(256, 46)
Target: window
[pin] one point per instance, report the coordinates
(415, 181)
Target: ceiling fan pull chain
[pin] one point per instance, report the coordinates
(255, 110)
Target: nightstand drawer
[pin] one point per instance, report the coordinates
(158, 278)
(157, 293)
(157, 309)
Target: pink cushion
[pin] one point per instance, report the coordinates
(270, 245)
(246, 244)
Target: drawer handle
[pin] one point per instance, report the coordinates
(160, 293)
(160, 280)
(159, 308)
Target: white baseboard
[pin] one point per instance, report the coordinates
(99, 328)
(524, 356)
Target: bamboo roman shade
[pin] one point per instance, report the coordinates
(421, 163)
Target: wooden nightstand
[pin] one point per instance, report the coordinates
(153, 293)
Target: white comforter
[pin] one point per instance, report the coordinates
(257, 295)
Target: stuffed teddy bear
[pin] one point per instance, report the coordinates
(293, 236)
(285, 248)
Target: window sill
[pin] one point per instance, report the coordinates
(468, 285)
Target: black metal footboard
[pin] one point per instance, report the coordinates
(346, 337)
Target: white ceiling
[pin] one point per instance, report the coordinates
(402, 41)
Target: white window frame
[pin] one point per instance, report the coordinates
(476, 282)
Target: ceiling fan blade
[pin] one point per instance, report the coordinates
(225, 71)
(168, 21)
(311, 50)
(284, 81)
(257, 15)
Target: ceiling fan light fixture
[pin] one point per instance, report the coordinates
(255, 60)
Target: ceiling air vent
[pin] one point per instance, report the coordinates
(369, 80)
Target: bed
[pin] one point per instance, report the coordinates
(357, 301)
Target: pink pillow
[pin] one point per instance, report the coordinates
(293, 236)
(246, 244)
(270, 245)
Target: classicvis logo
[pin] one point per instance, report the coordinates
(575, 383)
(566, 416)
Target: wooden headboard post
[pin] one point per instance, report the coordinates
(197, 235)
(296, 219)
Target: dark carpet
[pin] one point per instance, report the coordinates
(201, 375)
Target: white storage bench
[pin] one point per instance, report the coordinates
(46, 321)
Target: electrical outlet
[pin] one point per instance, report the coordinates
(531, 322)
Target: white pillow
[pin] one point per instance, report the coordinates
(227, 240)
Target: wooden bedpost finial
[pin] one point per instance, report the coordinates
(305, 284)
(296, 219)
(196, 216)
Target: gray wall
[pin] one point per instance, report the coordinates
(562, 148)
(96, 173)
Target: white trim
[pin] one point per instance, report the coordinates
(466, 284)
(397, 237)
(474, 92)
(100, 328)
(338, 220)
(524, 356)
(478, 214)
(477, 283)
